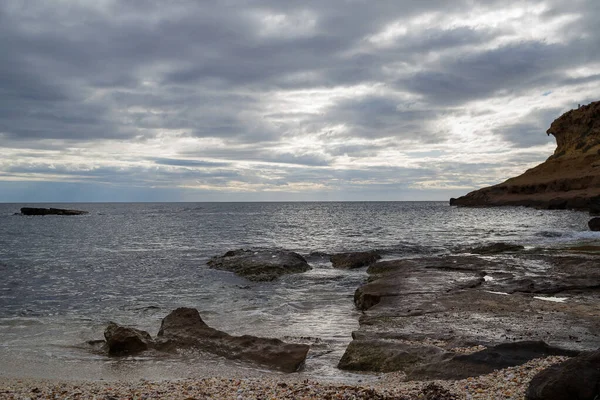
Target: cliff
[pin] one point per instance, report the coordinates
(569, 179)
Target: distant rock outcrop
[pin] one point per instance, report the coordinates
(50, 211)
(569, 179)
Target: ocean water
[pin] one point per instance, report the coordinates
(63, 278)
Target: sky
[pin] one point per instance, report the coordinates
(271, 100)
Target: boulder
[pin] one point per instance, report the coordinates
(263, 265)
(354, 260)
(594, 224)
(122, 340)
(50, 211)
(574, 379)
(183, 328)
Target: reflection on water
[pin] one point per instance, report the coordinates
(64, 278)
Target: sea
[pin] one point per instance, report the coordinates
(63, 278)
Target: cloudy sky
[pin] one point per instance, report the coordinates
(226, 100)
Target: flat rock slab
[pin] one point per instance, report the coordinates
(262, 265)
(461, 366)
(457, 302)
(388, 356)
(50, 211)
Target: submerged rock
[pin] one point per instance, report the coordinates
(496, 248)
(50, 211)
(122, 340)
(263, 265)
(575, 379)
(184, 328)
(354, 260)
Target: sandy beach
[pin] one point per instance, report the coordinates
(509, 383)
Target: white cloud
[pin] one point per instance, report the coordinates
(272, 97)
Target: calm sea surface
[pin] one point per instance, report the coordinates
(63, 278)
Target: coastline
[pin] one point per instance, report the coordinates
(508, 383)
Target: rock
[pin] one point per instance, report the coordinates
(594, 224)
(574, 379)
(386, 356)
(569, 179)
(354, 260)
(184, 328)
(50, 211)
(260, 265)
(594, 207)
(501, 356)
(121, 340)
(459, 301)
(496, 248)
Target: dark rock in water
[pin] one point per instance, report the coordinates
(260, 265)
(502, 356)
(496, 248)
(50, 211)
(184, 328)
(594, 224)
(575, 379)
(121, 340)
(382, 356)
(354, 260)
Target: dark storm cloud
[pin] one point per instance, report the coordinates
(381, 116)
(511, 68)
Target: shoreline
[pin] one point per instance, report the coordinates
(508, 383)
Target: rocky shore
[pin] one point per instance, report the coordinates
(493, 322)
(462, 315)
(509, 383)
(569, 179)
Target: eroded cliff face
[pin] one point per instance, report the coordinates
(577, 131)
(570, 178)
